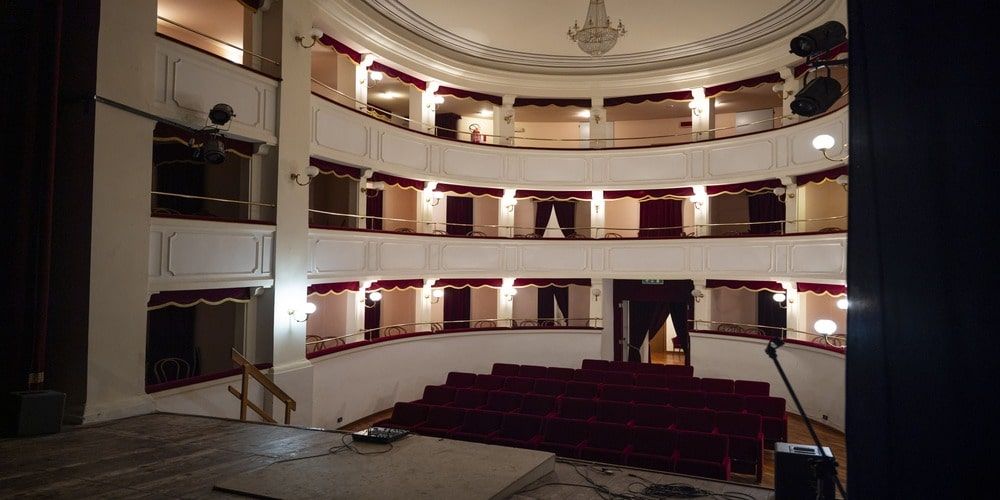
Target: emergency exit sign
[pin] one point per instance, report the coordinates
(652, 282)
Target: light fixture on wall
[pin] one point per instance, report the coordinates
(697, 294)
(509, 204)
(374, 78)
(371, 189)
(597, 36)
(435, 295)
(314, 34)
(372, 298)
(783, 193)
(508, 117)
(508, 294)
(433, 197)
(782, 299)
(310, 174)
(301, 312)
(695, 107)
(596, 292)
(435, 100)
(825, 326)
(824, 142)
(843, 181)
(843, 303)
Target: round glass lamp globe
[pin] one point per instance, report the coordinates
(779, 297)
(842, 304)
(375, 296)
(437, 293)
(308, 308)
(825, 326)
(823, 141)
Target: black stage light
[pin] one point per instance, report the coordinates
(816, 97)
(213, 150)
(819, 39)
(221, 114)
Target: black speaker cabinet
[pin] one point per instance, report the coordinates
(30, 413)
(795, 473)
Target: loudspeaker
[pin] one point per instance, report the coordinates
(30, 413)
(798, 472)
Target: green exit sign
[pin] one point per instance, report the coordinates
(652, 282)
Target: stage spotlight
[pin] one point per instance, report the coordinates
(819, 39)
(213, 150)
(816, 97)
(221, 114)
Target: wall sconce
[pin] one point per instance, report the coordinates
(782, 299)
(435, 101)
(824, 142)
(301, 312)
(783, 193)
(435, 295)
(509, 204)
(314, 34)
(374, 78)
(311, 173)
(372, 299)
(697, 294)
(698, 201)
(433, 197)
(825, 326)
(367, 60)
(508, 117)
(695, 108)
(843, 304)
(842, 180)
(371, 189)
(509, 293)
(596, 292)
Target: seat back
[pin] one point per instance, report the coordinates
(580, 390)
(651, 395)
(595, 364)
(559, 373)
(518, 426)
(469, 398)
(717, 385)
(537, 404)
(654, 440)
(695, 419)
(481, 421)
(622, 366)
(549, 387)
(684, 383)
(518, 384)
(678, 370)
(616, 393)
(738, 424)
(650, 380)
(618, 378)
(647, 415)
(489, 382)
(577, 408)
(408, 413)
(460, 379)
(503, 401)
(751, 388)
(687, 399)
(564, 431)
(766, 406)
(614, 411)
(608, 436)
(438, 395)
(505, 369)
(652, 368)
(531, 371)
(444, 417)
(724, 402)
(702, 446)
(592, 376)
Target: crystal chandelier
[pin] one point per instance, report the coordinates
(597, 36)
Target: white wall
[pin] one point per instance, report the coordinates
(356, 383)
(213, 399)
(817, 375)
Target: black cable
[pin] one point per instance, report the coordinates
(337, 449)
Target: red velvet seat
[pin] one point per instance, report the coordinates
(521, 431)
(651, 368)
(503, 401)
(717, 385)
(687, 399)
(592, 376)
(469, 399)
(678, 370)
(684, 383)
(549, 387)
(655, 415)
(650, 380)
(558, 373)
(518, 384)
(695, 419)
(505, 369)
(618, 378)
(407, 416)
(616, 393)
(537, 404)
(437, 395)
(460, 379)
(577, 408)
(651, 395)
(441, 421)
(752, 388)
(724, 402)
(746, 441)
(652, 448)
(489, 382)
(622, 366)
(608, 443)
(774, 421)
(701, 454)
(478, 426)
(595, 364)
(531, 371)
(563, 437)
(618, 412)
(580, 390)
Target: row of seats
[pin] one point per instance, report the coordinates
(704, 454)
(535, 371)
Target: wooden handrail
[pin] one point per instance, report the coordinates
(249, 370)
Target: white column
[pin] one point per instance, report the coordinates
(793, 316)
(503, 122)
(599, 127)
(702, 211)
(702, 116)
(349, 76)
(361, 197)
(426, 203)
(597, 214)
(361, 82)
(418, 106)
(428, 110)
(791, 204)
(505, 306)
(702, 306)
(505, 215)
(422, 310)
(788, 89)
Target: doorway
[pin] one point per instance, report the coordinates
(648, 315)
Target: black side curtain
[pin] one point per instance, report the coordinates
(661, 214)
(457, 307)
(645, 318)
(765, 207)
(373, 208)
(565, 216)
(458, 214)
(373, 320)
(446, 121)
(679, 314)
(549, 297)
(770, 313)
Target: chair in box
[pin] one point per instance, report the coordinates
(406, 416)
(505, 369)
(678, 370)
(478, 425)
(701, 454)
(774, 421)
(608, 443)
(618, 378)
(460, 379)
(519, 384)
(441, 421)
(646, 415)
(489, 382)
(652, 448)
(752, 388)
(595, 364)
(650, 380)
(616, 393)
(695, 419)
(537, 404)
(469, 398)
(617, 412)
(717, 385)
(549, 387)
(521, 431)
(687, 399)
(651, 395)
(577, 409)
(622, 366)
(503, 401)
(684, 383)
(531, 371)
(580, 390)
(558, 373)
(592, 376)
(746, 441)
(652, 368)
(437, 395)
(563, 437)
(724, 402)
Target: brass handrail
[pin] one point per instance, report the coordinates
(825, 339)
(249, 370)
(208, 198)
(513, 322)
(210, 37)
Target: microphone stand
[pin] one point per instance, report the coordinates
(826, 466)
